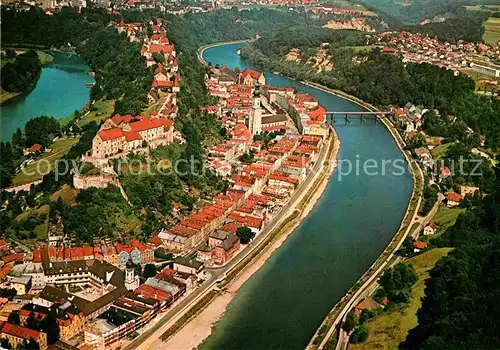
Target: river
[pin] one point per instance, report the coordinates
(59, 91)
(283, 304)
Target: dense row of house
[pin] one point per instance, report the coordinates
(246, 108)
(418, 48)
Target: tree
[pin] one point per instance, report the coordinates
(245, 234)
(29, 345)
(397, 282)
(42, 130)
(359, 335)
(14, 318)
(6, 164)
(19, 75)
(17, 138)
(159, 58)
(149, 271)
(4, 343)
(459, 309)
(50, 326)
(10, 53)
(351, 321)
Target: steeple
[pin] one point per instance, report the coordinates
(255, 116)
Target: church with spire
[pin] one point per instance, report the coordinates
(255, 115)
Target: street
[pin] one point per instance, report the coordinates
(220, 273)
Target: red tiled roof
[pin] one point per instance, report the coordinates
(19, 331)
(147, 124)
(253, 73)
(151, 292)
(76, 253)
(161, 48)
(110, 134)
(454, 197)
(88, 251)
(318, 114)
(36, 147)
(37, 255)
(155, 240)
(131, 136)
(5, 270)
(13, 257)
(420, 245)
(231, 227)
(118, 119)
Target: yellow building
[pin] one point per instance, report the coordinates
(16, 335)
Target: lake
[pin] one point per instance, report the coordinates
(59, 91)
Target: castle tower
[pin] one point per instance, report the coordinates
(131, 280)
(255, 116)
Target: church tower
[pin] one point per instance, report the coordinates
(255, 116)
(131, 279)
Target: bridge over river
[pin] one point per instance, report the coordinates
(362, 115)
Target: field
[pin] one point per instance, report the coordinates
(483, 7)
(45, 163)
(104, 110)
(67, 194)
(389, 329)
(40, 230)
(439, 151)
(361, 48)
(446, 217)
(492, 30)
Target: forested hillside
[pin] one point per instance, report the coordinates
(121, 72)
(383, 79)
(20, 75)
(460, 308)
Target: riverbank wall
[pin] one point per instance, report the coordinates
(333, 318)
(323, 339)
(199, 326)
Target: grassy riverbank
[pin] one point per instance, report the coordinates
(398, 238)
(45, 163)
(255, 260)
(390, 328)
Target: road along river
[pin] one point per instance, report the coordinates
(282, 305)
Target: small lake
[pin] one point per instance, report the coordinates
(59, 91)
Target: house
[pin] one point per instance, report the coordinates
(191, 266)
(221, 248)
(453, 199)
(250, 77)
(465, 190)
(418, 246)
(33, 149)
(367, 304)
(70, 323)
(124, 134)
(16, 335)
(444, 173)
(424, 155)
(430, 229)
(22, 285)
